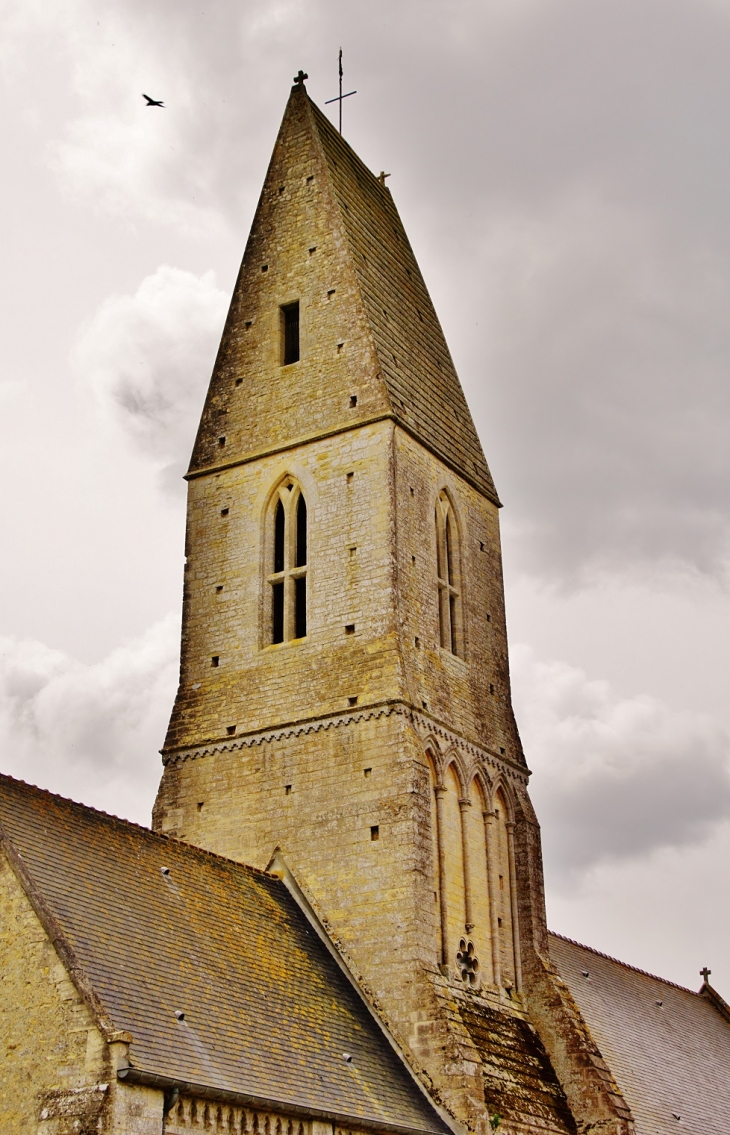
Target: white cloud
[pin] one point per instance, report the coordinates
(614, 778)
(148, 357)
(91, 732)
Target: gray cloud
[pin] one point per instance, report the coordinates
(562, 169)
(147, 357)
(615, 778)
(90, 731)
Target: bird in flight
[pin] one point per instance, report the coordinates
(152, 102)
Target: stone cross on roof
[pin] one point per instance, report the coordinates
(300, 77)
(705, 972)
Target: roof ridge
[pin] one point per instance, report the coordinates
(122, 822)
(625, 965)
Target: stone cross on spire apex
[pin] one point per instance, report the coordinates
(705, 972)
(299, 79)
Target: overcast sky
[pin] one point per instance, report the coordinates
(563, 170)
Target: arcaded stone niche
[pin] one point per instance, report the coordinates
(474, 879)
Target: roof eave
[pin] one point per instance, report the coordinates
(133, 1075)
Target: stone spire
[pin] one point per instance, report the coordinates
(326, 231)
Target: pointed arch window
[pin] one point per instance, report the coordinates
(451, 623)
(287, 575)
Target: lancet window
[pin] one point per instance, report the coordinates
(451, 624)
(287, 576)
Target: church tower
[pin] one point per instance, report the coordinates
(344, 693)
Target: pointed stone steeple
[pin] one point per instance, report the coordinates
(344, 702)
(327, 234)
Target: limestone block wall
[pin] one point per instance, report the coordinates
(346, 482)
(53, 1059)
(471, 693)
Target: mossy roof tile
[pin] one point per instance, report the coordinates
(268, 1011)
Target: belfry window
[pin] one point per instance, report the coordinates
(287, 577)
(290, 334)
(451, 624)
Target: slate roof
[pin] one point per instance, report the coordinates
(419, 373)
(671, 1059)
(268, 1011)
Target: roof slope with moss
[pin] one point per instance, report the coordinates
(157, 928)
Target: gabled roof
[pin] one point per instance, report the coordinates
(319, 197)
(668, 1047)
(154, 928)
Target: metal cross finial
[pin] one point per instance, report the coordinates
(705, 972)
(340, 96)
(299, 79)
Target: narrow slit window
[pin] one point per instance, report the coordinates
(301, 532)
(290, 329)
(287, 574)
(300, 607)
(450, 610)
(277, 596)
(279, 528)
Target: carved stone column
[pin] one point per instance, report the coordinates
(440, 792)
(513, 904)
(464, 806)
(493, 919)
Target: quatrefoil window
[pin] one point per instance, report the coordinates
(467, 961)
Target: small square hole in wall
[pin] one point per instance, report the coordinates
(340, 344)
(287, 789)
(281, 189)
(499, 922)
(491, 688)
(353, 399)
(417, 641)
(225, 511)
(425, 706)
(350, 476)
(374, 833)
(264, 267)
(412, 492)
(230, 730)
(413, 559)
(331, 292)
(248, 324)
(489, 618)
(310, 178)
(502, 751)
(215, 660)
(221, 442)
(353, 549)
(352, 700)
(239, 381)
(219, 587)
(200, 805)
(481, 545)
(349, 628)
(367, 772)
(313, 249)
